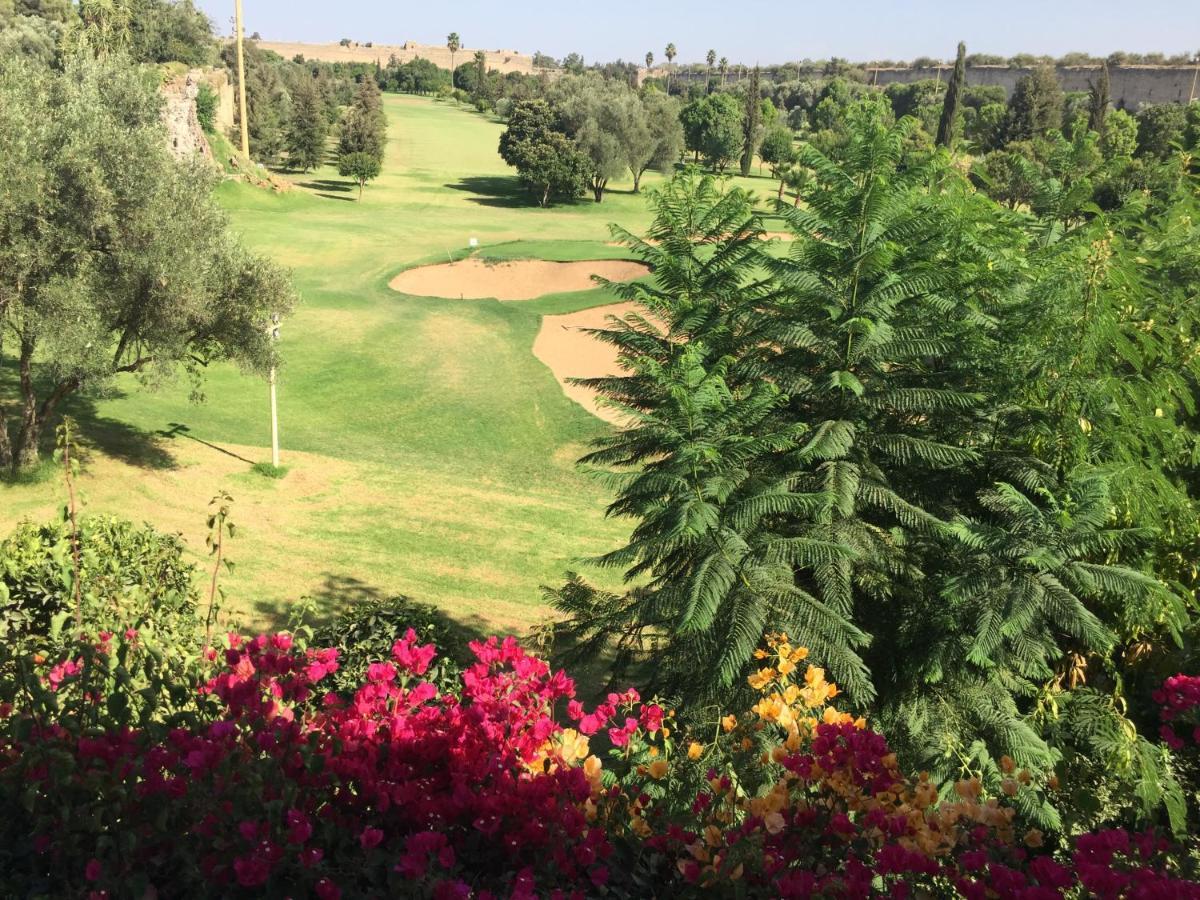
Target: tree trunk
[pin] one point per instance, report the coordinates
(797, 203)
(545, 196)
(637, 181)
(6, 453)
(27, 435)
(781, 189)
(598, 189)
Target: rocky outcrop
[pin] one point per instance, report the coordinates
(185, 137)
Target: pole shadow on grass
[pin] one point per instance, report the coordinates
(179, 430)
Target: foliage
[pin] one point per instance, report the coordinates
(206, 107)
(161, 284)
(129, 575)
(712, 128)
(250, 785)
(170, 31)
(308, 129)
(361, 166)
(751, 123)
(1035, 106)
(945, 130)
(546, 160)
(1161, 129)
(364, 127)
(875, 433)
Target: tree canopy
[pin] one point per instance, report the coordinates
(114, 259)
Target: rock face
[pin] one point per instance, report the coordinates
(184, 135)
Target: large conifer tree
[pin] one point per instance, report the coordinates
(945, 132)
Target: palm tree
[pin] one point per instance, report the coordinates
(452, 44)
(649, 60)
(671, 53)
(723, 67)
(711, 58)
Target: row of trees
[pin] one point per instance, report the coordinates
(589, 131)
(949, 444)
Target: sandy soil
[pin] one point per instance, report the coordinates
(523, 279)
(570, 352)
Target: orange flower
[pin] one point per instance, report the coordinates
(729, 722)
(695, 750)
(1007, 765)
(774, 823)
(659, 768)
(761, 678)
(1033, 838)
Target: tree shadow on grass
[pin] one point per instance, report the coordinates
(494, 190)
(179, 430)
(328, 184)
(114, 438)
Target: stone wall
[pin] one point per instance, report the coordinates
(185, 137)
(1131, 87)
(500, 60)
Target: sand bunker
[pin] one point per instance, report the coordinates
(521, 279)
(570, 352)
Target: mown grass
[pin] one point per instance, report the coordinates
(429, 453)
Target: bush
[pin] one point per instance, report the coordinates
(365, 633)
(410, 792)
(129, 575)
(206, 108)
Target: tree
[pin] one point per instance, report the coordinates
(651, 134)
(1120, 138)
(712, 127)
(481, 79)
(362, 167)
(751, 120)
(162, 31)
(723, 65)
(364, 126)
(649, 60)
(1161, 129)
(1098, 101)
(984, 127)
(945, 131)
(114, 259)
(778, 151)
(308, 129)
(453, 43)
(1036, 105)
(710, 58)
(546, 160)
(670, 54)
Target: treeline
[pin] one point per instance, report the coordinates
(153, 31)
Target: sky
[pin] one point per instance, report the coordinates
(745, 31)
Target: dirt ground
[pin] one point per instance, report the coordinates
(524, 279)
(570, 352)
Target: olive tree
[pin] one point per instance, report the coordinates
(114, 259)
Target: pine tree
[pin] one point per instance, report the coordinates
(308, 129)
(364, 126)
(945, 132)
(1098, 101)
(751, 120)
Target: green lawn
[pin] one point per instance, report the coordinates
(432, 454)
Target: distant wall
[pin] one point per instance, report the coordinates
(1129, 86)
(500, 60)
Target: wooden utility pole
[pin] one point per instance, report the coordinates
(1195, 75)
(241, 80)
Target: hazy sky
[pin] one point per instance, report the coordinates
(744, 30)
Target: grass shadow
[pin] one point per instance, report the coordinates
(335, 197)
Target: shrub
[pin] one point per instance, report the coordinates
(206, 108)
(129, 574)
(403, 790)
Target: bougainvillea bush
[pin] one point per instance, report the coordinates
(507, 786)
